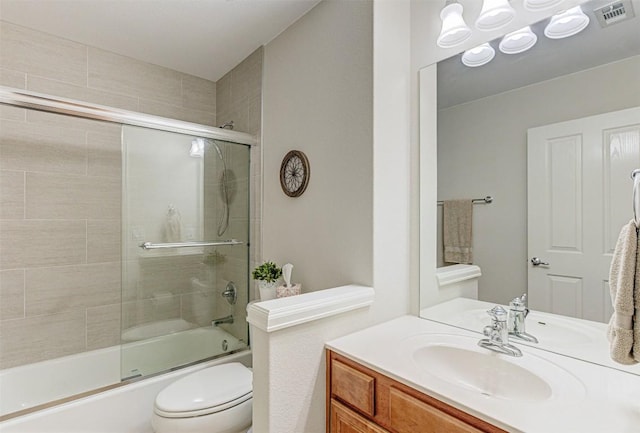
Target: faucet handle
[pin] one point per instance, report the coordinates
(519, 303)
(498, 314)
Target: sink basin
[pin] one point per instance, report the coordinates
(457, 361)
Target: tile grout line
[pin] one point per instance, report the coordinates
(86, 47)
(86, 242)
(24, 293)
(24, 195)
(86, 329)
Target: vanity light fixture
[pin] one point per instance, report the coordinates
(518, 41)
(454, 30)
(567, 23)
(495, 14)
(540, 5)
(478, 56)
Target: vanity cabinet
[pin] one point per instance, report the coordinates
(360, 400)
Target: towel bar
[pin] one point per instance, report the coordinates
(486, 200)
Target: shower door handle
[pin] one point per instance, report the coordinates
(152, 246)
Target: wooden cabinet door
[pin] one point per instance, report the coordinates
(344, 420)
(410, 415)
(353, 387)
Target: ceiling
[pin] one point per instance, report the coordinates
(205, 38)
(548, 59)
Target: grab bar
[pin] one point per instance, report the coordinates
(152, 246)
(485, 200)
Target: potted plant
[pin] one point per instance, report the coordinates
(267, 275)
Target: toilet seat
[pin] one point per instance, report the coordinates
(206, 392)
(205, 411)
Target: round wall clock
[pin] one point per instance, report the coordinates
(294, 173)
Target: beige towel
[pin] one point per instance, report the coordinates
(624, 284)
(457, 220)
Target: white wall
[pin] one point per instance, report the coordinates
(320, 78)
(317, 99)
(489, 157)
(289, 368)
(392, 180)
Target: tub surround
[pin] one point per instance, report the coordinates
(125, 409)
(68, 378)
(598, 398)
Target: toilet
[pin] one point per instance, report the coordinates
(213, 400)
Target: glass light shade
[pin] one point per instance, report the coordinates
(540, 5)
(495, 14)
(197, 148)
(567, 23)
(454, 30)
(518, 41)
(478, 56)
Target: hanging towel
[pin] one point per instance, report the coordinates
(624, 327)
(457, 221)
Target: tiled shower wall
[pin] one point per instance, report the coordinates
(60, 193)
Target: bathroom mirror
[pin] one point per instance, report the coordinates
(554, 93)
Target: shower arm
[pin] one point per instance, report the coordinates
(152, 246)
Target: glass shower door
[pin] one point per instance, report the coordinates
(185, 249)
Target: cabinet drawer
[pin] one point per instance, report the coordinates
(409, 415)
(353, 387)
(344, 420)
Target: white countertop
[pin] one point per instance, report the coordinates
(609, 401)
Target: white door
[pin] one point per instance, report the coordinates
(579, 197)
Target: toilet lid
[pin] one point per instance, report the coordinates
(207, 389)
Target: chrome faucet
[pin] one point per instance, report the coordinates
(220, 321)
(498, 334)
(518, 311)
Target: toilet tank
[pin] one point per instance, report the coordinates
(458, 281)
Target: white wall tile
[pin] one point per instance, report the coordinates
(38, 53)
(112, 72)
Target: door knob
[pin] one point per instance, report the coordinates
(536, 261)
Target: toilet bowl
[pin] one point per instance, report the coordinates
(213, 400)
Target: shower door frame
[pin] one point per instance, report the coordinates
(54, 104)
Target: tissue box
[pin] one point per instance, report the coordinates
(283, 292)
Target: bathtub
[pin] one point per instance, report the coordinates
(38, 383)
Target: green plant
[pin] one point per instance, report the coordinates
(268, 271)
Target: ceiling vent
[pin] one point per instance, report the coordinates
(614, 13)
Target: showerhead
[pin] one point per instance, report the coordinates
(228, 124)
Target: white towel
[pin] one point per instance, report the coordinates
(456, 231)
(624, 284)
